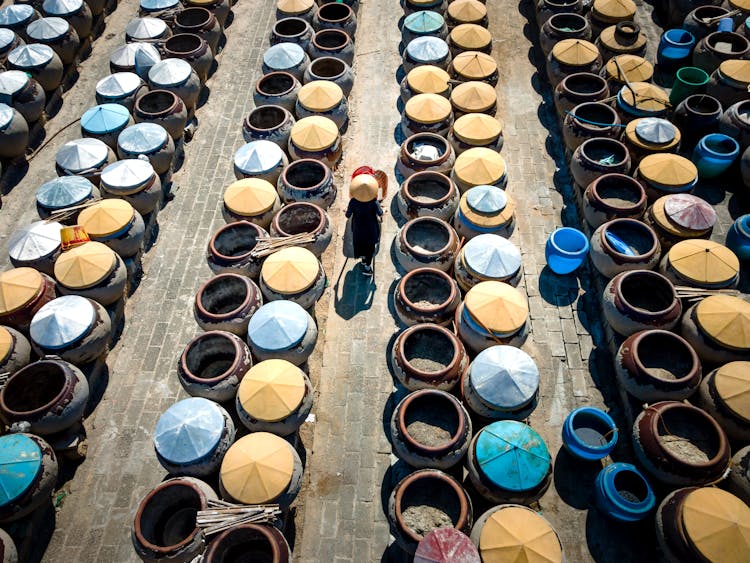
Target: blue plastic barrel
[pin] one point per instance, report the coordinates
(566, 250)
(589, 433)
(675, 48)
(726, 24)
(622, 493)
(715, 153)
(738, 237)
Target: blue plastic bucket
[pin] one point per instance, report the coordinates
(566, 250)
(714, 154)
(589, 433)
(675, 48)
(738, 237)
(622, 493)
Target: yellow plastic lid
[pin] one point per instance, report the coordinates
(314, 133)
(290, 270)
(518, 534)
(575, 52)
(725, 320)
(467, 11)
(85, 265)
(428, 108)
(497, 306)
(649, 97)
(294, 6)
(704, 261)
(257, 468)
(474, 96)
(633, 138)
(428, 79)
(477, 128)
(732, 382)
(717, 524)
(488, 220)
(364, 187)
(743, 5)
(250, 196)
(6, 342)
(106, 217)
(614, 10)
(635, 68)
(611, 42)
(737, 70)
(474, 65)
(470, 36)
(18, 287)
(272, 390)
(667, 169)
(320, 95)
(479, 166)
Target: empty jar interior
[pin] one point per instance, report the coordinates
(631, 486)
(585, 84)
(299, 218)
(266, 117)
(619, 192)
(720, 144)
(276, 83)
(431, 420)
(595, 115)
(290, 27)
(334, 11)
(223, 295)
(244, 545)
(426, 148)
(327, 67)
(156, 102)
(592, 430)
(688, 435)
(192, 17)
(703, 13)
(568, 23)
(428, 350)
(183, 43)
(428, 503)
(331, 38)
(169, 516)
(428, 190)
(210, 356)
(427, 237)
(236, 239)
(635, 235)
(648, 292)
(305, 174)
(35, 388)
(605, 152)
(665, 356)
(705, 105)
(426, 290)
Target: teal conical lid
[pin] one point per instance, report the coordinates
(20, 463)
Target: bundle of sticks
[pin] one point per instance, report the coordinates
(68, 212)
(222, 515)
(265, 246)
(697, 293)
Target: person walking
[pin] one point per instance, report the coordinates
(365, 213)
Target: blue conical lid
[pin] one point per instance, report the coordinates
(62, 322)
(170, 72)
(35, 241)
(47, 29)
(15, 14)
(118, 85)
(31, 56)
(7, 37)
(427, 49)
(258, 156)
(504, 377)
(189, 430)
(512, 455)
(64, 191)
(491, 257)
(277, 325)
(61, 7)
(82, 154)
(20, 463)
(424, 22)
(486, 199)
(106, 118)
(158, 5)
(143, 138)
(283, 56)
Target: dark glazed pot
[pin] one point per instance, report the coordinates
(291, 30)
(695, 117)
(577, 89)
(426, 241)
(720, 395)
(229, 249)
(307, 180)
(252, 542)
(331, 43)
(333, 69)
(428, 194)
(613, 196)
(268, 123)
(735, 122)
(226, 302)
(588, 121)
(277, 88)
(335, 15)
(695, 20)
(164, 108)
(304, 217)
(598, 156)
(561, 26)
(413, 160)
(193, 49)
(710, 52)
(426, 295)
(201, 22)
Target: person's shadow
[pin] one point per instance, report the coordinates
(356, 294)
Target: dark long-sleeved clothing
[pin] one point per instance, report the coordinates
(365, 226)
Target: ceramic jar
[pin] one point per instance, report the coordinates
(92, 270)
(613, 196)
(176, 75)
(201, 22)
(332, 69)
(428, 194)
(331, 43)
(426, 241)
(268, 123)
(304, 217)
(120, 88)
(598, 156)
(426, 295)
(307, 180)
(148, 140)
(425, 152)
(24, 94)
(710, 326)
(578, 88)
(624, 244)
(164, 108)
(193, 49)
(135, 181)
(230, 249)
(590, 120)
(277, 88)
(226, 302)
(720, 396)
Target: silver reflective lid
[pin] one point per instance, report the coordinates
(486, 199)
(12, 82)
(504, 377)
(30, 56)
(491, 256)
(170, 72)
(64, 191)
(6, 115)
(62, 322)
(125, 56)
(82, 154)
(426, 49)
(142, 138)
(7, 37)
(105, 118)
(61, 7)
(258, 156)
(128, 173)
(118, 85)
(34, 241)
(158, 5)
(146, 28)
(189, 430)
(15, 14)
(277, 325)
(283, 56)
(424, 21)
(655, 130)
(47, 29)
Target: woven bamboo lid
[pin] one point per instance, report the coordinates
(497, 306)
(474, 96)
(487, 206)
(474, 65)
(257, 468)
(294, 6)
(320, 95)
(743, 5)
(479, 166)
(314, 133)
(106, 217)
(428, 79)
(704, 261)
(470, 36)
(85, 265)
(428, 108)
(575, 52)
(467, 11)
(732, 382)
(667, 170)
(725, 320)
(272, 390)
(18, 287)
(6, 343)
(250, 196)
(290, 270)
(635, 68)
(614, 10)
(608, 38)
(477, 128)
(717, 524)
(648, 97)
(516, 533)
(632, 134)
(737, 70)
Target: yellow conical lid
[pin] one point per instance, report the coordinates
(488, 220)
(659, 215)
(470, 36)
(272, 390)
(257, 468)
(614, 10)
(575, 52)
(636, 69)
(294, 6)
(737, 70)
(106, 217)
(290, 270)
(85, 265)
(649, 97)
(314, 133)
(474, 96)
(743, 5)
(477, 128)
(467, 11)
(497, 306)
(732, 382)
(250, 196)
(717, 524)
(608, 38)
(6, 343)
(428, 108)
(474, 65)
(18, 287)
(518, 534)
(320, 95)
(667, 169)
(428, 79)
(704, 261)
(632, 136)
(479, 166)
(726, 320)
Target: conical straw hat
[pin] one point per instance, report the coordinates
(467, 10)
(474, 65)
(636, 69)
(614, 10)
(737, 70)
(363, 187)
(479, 166)
(477, 128)
(497, 306)
(250, 196)
(428, 108)
(294, 6)
(428, 79)
(717, 524)
(290, 270)
(314, 133)
(474, 96)
(667, 170)
(470, 36)
(704, 261)
(18, 287)
(575, 52)
(732, 383)
(648, 97)
(320, 95)
(85, 265)
(516, 533)
(725, 320)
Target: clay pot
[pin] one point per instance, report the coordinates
(120, 88)
(257, 542)
(164, 108)
(219, 8)
(14, 133)
(545, 9)
(587, 162)
(641, 249)
(147, 140)
(41, 62)
(145, 197)
(695, 117)
(426, 295)
(613, 196)
(624, 38)
(230, 247)
(304, 217)
(176, 75)
(291, 30)
(226, 302)
(695, 20)
(15, 348)
(58, 34)
(590, 120)
(78, 14)
(710, 51)
(559, 26)
(19, 317)
(712, 350)
(558, 70)
(735, 122)
(201, 22)
(309, 181)
(332, 43)
(719, 396)
(277, 88)
(425, 152)
(26, 94)
(193, 49)
(738, 481)
(335, 15)
(268, 123)
(428, 194)
(426, 241)
(333, 69)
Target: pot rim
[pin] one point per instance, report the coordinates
(433, 137)
(266, 531)
(198, 51)
(617, 286)
(216, 279)
(432, 395)
(637, 340)
(417, 221)
(637, 225)
(305, 28)
(571, 15)
(274, 107)
(432, 375)
(233, 225)
(348, 9)
(322, 219)
(188, 374)
(331, 31)
(605, 141)
(67, 386)
(327, 176)
(209, 18)
(176, 101)
(432, 271)
(429, 175)
(629, 180)
(328, 58)
(276, 74)
(590, 75)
